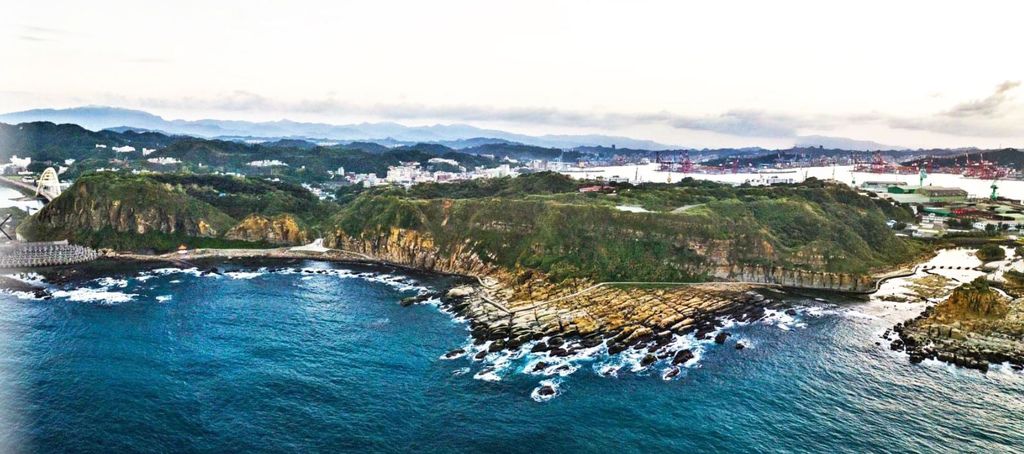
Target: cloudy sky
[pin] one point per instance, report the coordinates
(919, 74)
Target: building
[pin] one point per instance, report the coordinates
(882, 186)
(943, 194)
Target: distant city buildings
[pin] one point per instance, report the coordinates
(268, 163)
(164, 160)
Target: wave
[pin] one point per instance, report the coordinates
(94, 295)
(246, 274)
(668, 361)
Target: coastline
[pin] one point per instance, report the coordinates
(564, 319)
(506, 314)
(577, 316)
(568, 319)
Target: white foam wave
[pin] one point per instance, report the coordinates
(91, 295)
(112, 282)
(246, 274)
(487, 374)
(28, 278)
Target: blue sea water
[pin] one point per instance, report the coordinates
(262, 361)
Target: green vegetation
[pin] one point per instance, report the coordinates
(158, 241)
(159, 212)
(990, 252)
(49, 144)
(689, 231)
(45, 141)
(540, 221)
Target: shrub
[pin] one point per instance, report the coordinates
(990, 253)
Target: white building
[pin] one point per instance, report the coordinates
(268, 163)
(164, 160)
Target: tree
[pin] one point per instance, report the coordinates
(990, 252)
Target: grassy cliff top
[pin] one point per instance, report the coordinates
(691, 230)
(649, 232)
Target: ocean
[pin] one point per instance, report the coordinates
(318, 357)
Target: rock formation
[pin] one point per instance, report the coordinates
(281, 229)
(974, 327)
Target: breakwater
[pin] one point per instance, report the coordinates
(53, 253)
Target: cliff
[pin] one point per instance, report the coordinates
(281, 229)
(123, 204)
(151, 212)
(974, 327)
(826, 237)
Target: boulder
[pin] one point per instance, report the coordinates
(461, 291)
(648, 360)
(721, 337)
(546, 391)
(682, 356)
(454, 353)
(558, 352)
(672, 373)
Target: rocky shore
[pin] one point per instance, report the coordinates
(508, 309)
(620, 318)
(975, 327)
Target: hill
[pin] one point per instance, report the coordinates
(159, 212)
(50, 144)
(45, 141)
(683, 232)
(812, 234)
(1008, 157)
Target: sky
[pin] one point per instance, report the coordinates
(722, 73)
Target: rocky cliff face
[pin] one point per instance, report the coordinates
(796, 278)
(417, 250)
(95, 205)
(972, 302)
(282, 229)
(974, 327)
(413, 249)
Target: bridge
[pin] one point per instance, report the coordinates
(47, 187)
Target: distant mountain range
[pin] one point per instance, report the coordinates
(842, 143)
(386, 133)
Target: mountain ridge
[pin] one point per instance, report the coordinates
(456, 135)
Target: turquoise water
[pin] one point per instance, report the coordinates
(298, 361)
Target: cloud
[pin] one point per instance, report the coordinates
(988, 107)
(744, 123)
(39, 34)
(992, 116)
